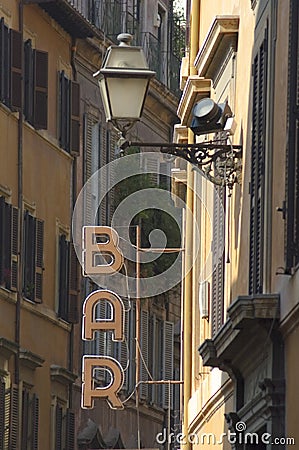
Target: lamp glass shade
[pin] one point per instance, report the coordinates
(124, 97)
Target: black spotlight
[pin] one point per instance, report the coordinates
(209, 117)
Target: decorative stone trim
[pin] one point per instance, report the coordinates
(7, 348)
(30, 360)
(62, 375)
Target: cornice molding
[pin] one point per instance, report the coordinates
(195, 89)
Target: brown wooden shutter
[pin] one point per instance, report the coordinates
(16, 48)
(75, 119)
(259, 73)
(73, 307)
(58, 428)
(14, 248)
(28, 81)
(40, 89)
(14, 418)
(35, 420)
(2, 414)
(63, 277)
(25, 420)
(64, 111)
(39, 244)
(4, 63)
(70, 430)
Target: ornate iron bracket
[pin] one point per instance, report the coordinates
(220, 162)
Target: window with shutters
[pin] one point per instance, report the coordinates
(257, 182)
(30, 415)
(33, 258)
(292, 162)
(217, 291)
(8, 245)
(10, 66)
(35, 86)
(64, 421)
(160, 360)
(69, 114)
(68, 308)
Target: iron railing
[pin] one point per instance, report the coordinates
(118, 16)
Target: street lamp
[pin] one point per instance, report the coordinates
(124, 81)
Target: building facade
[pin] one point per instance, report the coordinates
(54, 138)
(240, 326)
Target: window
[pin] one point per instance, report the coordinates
(257, 189)
(292, 163)
(8, 245)
(33, 258)
(69, 114)
(10, 66)
(64, 428)
(36, 86)
(67, 281)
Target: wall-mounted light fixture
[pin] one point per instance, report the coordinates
(124, 81)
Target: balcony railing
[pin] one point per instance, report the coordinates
(118, 16)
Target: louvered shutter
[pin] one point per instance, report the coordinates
(5, 268)
(152, 357)
(2, 237)
(292, 154)
(70, 430)
(63, 277)
(16, 48)
(39, 243)
(259, 72)
(40, 89)
(14, 418)
(7, 419)
(152, 168)
(73, 307)
(132, 349)
(103, 181)
(64, 111)
(58, 427)
(14, 248)
(75, 119)
(29, 256)
(28, 81)
(35, 422)
(144, 352)
(2, 414)
(217, 300)
(167, 363)
(111, 145)
(4, 64)
(87, 167)
(25, 420)
(123, 348)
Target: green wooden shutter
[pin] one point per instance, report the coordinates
(40, 89)
(259, 73)
(75, 119)
(39, 244)
(292, 154)
(16, 48)
(144, 351)
(64, 111)
(167, 373)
